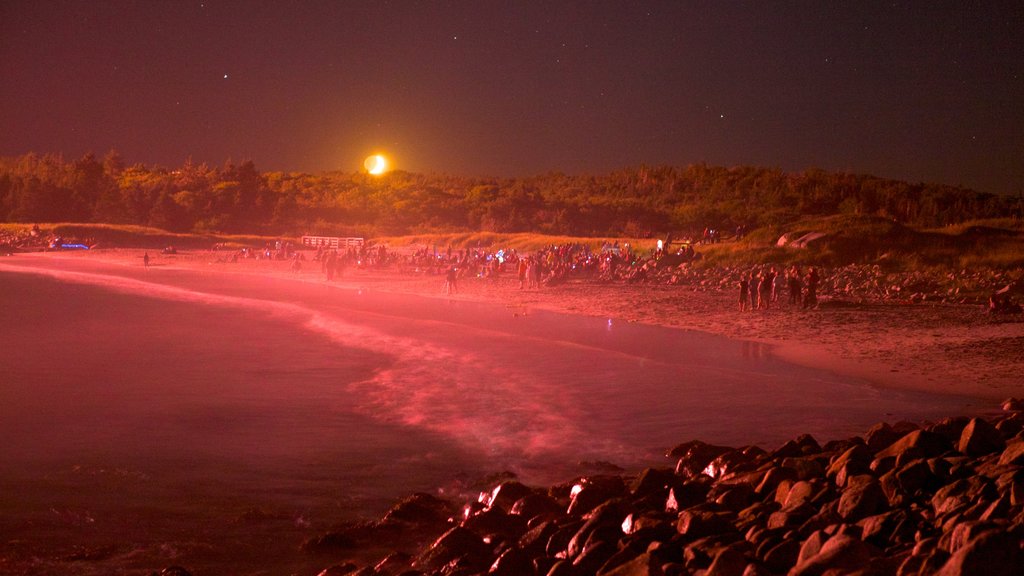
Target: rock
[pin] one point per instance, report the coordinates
(1013, 405)
(791, 517)
(397, 563)
(605, 521)
(642, 565)
(175, 571)
(841, 553)
(689, 494)
(810, 547)
(862, 497)
(457, 544)
(339, 570)
(950, 428)
(512, 562)
(419, 508)
(656, 481)
(505, 495)
(699, 524)
(728, 562)
(329, 542)
(928, 443)
(782, 556)
(495, 521)
(856, 459)
(695, 456)
(979, 438)
(802, 445)
(773, 477)
(594, 556)
(736, 497)
(881, 435)
(534, 505)
(589, 493)
(992, 553)
(1013, 454)
(806, 467)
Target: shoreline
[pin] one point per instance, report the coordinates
(949, 349)
(889, 348)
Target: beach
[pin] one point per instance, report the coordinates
(935, 348)
(326, 402)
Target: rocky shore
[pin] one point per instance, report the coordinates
(945, 498)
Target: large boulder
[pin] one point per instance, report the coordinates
(992, 553)
(979, 438)
(862, 497)
(841, 554)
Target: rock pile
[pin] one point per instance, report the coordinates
(946, 498)
(862, 283)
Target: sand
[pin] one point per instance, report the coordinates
(938, 348)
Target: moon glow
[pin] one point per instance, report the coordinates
(376, 164)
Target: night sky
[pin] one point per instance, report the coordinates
(921, 91)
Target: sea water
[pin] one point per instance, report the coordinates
(156, 416)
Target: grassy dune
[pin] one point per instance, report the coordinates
(128, 236)
(848, 239)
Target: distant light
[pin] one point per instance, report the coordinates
(376, 164)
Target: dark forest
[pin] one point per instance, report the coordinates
(638, 202)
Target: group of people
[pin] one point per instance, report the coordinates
(759, 288)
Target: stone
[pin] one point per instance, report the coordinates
(861, 499)
(773, 477)
(1013, 454)
(699, 524)
(928, 444)
(512, 562)
(655, 481)
(841, 553)
(457, 544)
(1013, 405)
(782, 556)
(951, 428)
(791, 517)
(881, 435)
(979, 438)
(695, 456)
(992, 553)
(534, 505)
(505, 495)
(857, 459)
(495, 521)
(806, 467)
(728, 562)
(642, 565)
(420, 508)
(802, 445)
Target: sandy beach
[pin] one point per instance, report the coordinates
(939, 348)
(396, 394)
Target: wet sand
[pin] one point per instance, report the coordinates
(932, 348)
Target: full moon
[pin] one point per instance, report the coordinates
(376, 164)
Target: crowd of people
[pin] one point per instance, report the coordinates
(759, 289)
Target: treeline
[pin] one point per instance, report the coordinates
(635, 202)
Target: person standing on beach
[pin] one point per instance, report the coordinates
(744, 292)
(145, 259)
(450, 278)
(795, 285)
(811, 296)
